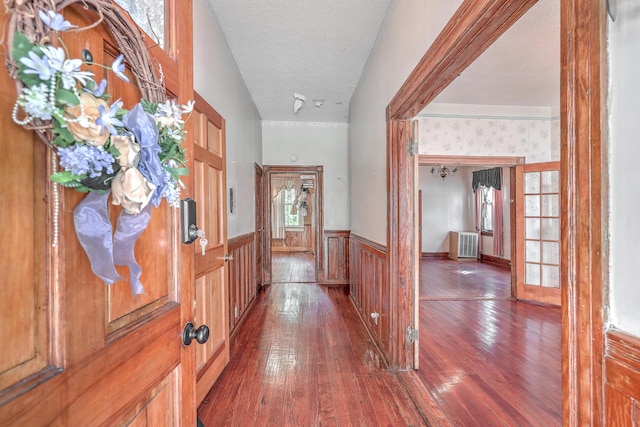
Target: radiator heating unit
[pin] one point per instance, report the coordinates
(463, 245)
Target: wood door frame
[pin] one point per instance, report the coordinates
(319, 213)
(485, 161)
(259, 226)
(476, 25)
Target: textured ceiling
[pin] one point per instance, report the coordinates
(318, 49)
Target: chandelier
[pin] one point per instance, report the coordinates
(443, 171)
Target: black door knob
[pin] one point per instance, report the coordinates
(190, 332)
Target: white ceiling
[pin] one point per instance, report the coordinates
(318, 48)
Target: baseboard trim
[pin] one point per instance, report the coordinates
(437, 255)
(500, 262)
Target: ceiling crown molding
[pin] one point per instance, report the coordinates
(293, 124)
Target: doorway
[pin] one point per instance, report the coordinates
(293, 208)
(449, 205)
(582, 105)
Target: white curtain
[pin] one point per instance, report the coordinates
(279, 183)
(277, 216)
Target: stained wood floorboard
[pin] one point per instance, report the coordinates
(303, 358)
(487, 361)
(292, 267)
(445, 279)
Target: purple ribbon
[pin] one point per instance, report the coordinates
(128, 229)
(94, 231)
(144, 128)
(93, 228)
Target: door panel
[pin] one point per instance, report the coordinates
(538, 232)
(24, 213)
(211, 272)
(76, 351)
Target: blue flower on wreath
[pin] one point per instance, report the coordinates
(38, 65)
(108, 119)
(118, 68)
(55, 21)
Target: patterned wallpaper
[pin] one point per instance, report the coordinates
(537, 139)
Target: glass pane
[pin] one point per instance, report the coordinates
(149, 15)
(551, 182)
(531, 205)
(532, 274)
(550, 276)
(532, 251)
(532, 183)
(550, 205)
(532, 228)
(550, 229)
(487, 209)
(289, 196)
(551, 253)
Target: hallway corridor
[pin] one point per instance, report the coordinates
(303, 358)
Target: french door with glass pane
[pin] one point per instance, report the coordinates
(538, 232)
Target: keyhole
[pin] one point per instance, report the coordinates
(87, 56)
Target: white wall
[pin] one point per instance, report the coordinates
(314, 144)
(410, 28)
(447, 205)
(624, 152)
(217, 79)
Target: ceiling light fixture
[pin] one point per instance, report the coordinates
(443, 171)
(299, 100)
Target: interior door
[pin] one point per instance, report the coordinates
(75, 351)
(211, 272)
(538, 232)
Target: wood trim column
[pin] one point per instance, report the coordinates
(583, 172)
(181, 35)
(400, 235)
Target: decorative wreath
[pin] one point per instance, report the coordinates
(135, 156)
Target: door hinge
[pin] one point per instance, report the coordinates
(412, 148)
(412, 334)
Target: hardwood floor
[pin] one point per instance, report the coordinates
(445, 279)
(303, 358)
(487, 361)
(292, 267)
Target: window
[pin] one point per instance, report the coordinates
(487, 210)
(291, 220)
(149, 15)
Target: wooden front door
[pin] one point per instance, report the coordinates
(211, 272)
(538, 232)
(75, 351)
